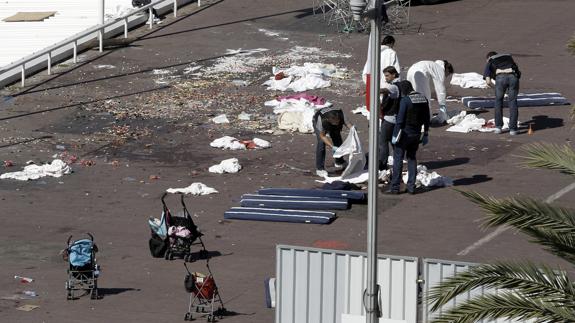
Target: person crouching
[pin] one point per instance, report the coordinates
(327, 124)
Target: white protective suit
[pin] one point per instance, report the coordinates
(421, 73)
(388, 58)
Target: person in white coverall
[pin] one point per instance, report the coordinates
(422, 73)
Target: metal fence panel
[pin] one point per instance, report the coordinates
(435, 271)
(319, 285)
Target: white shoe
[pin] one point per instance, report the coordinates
(321, 173)
(342, 165)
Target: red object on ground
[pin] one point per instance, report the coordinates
(279, 76)
(367, 85)
(330, 244)
(250, 144)
(8, 163)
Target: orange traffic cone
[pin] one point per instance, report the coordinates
(530, 131)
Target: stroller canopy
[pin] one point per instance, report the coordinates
(80, 252)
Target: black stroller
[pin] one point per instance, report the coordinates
(83, 271)
(173, 236)
(204, 295)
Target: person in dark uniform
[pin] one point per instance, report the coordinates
(389, 109)
(503, 69)
(412, 116)
(327, 124)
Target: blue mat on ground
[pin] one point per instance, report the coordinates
(337, 194)
(296, 203)
(289, 197)
(523, 100)
(276, 215)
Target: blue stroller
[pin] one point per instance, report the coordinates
(83, 271)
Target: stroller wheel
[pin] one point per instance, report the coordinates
(69, 296)
(188, 317)
(94, 294)
(167, 255)
(171, 256)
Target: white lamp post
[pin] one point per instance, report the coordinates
(101, 22)
(371, 299)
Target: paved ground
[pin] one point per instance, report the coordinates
(132, 127)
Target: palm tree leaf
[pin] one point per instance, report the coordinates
(548, 225)
(550, 156)
(529, 280)
(508, 305)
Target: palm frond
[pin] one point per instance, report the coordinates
(550, 156)
(527, 279)
(507, 305)
(571, 45)
(552, 227)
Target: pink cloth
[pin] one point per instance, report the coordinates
(179, 232)
(316, 100)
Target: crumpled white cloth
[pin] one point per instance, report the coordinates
(227, 142)
(351, 147)
(222, 118)
(469, 80)
(428, 179)
(261, 143)
(57, 168)
(231, 143)
(193, 189)
(465, 123)
(231, 165)
(300, 104)
(302, 78)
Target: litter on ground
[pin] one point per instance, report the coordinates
(57, 168)
(469, 81)
(193, 189)
(231, 143)
(231, 165)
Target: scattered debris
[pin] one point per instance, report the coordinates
(231, 165)
(193, 189)
(57, 168)
(8, 163)
(23, 279)
(222, 118)
(27, 307)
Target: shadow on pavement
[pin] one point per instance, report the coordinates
(475, 179)
(435, 164)
(544, 122)
(103, 292)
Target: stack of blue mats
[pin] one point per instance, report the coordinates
(293, 202)
(278, 215)
(353, 196)
(523, 100)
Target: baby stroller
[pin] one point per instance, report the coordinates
(83, 271)
(204, 295)
(173, 236)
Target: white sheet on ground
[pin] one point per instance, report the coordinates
(302, 78)
(231, 165)
(57, 168)
(262, 143)
(465, 123)
(301, 121)
(361, 110)
(469, 80)
(193, 189)
(351, 147)
(428, 179)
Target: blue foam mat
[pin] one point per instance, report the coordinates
(523, 100)
(350, 195)
(276, 215)
(301, 204)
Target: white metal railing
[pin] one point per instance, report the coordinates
(100, 29)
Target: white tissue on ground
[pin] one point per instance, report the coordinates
(222, 118)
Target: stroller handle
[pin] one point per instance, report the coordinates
(87, 233)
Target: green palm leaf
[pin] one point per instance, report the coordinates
(548, 225)
(550, 156)
(532, 281)
(507, 305)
